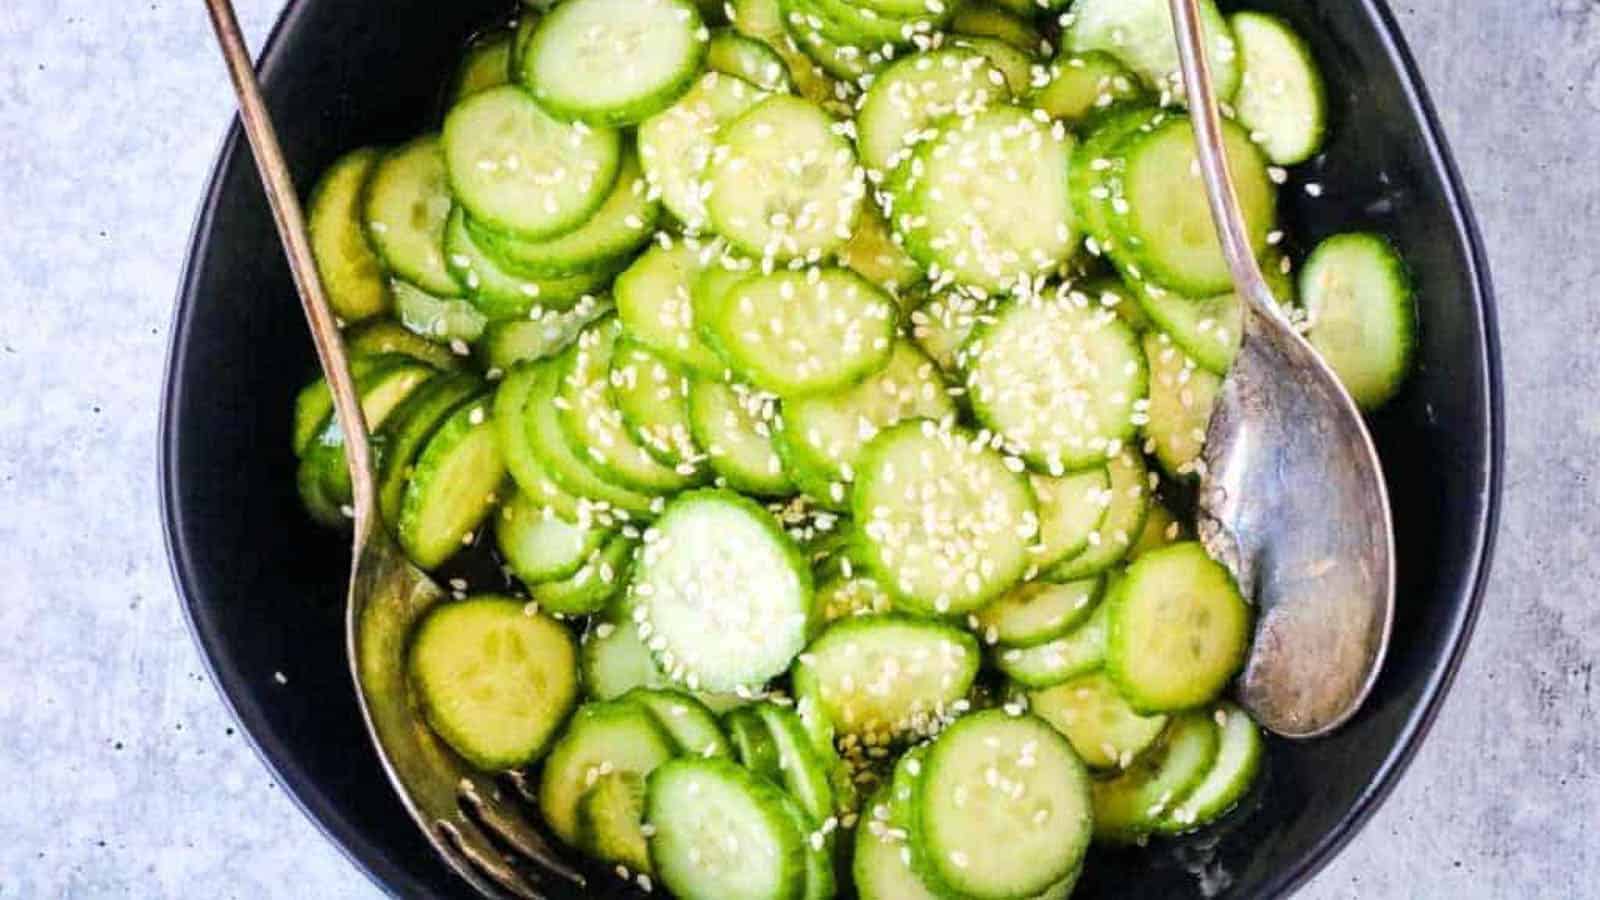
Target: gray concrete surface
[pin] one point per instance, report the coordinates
(120, 772)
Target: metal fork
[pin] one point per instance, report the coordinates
(473, 823)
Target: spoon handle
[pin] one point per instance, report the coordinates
(1224, 200)
(291, 223)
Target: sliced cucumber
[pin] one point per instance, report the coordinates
(981, 19)
(752, 743)
(403, 434)
(804, 332)
(990, 206)
(1109, 543)
(351, 272)
(911, 94)
(602, 738)
(675, 145)
(656, 304)
(614, 661)
(733, 423)
(886, 676)
(504, 344)
(538, 544)
(534, 481)
(594, 585)
(1016, 66)
(1096, 167)
(692, 726)
(494, 682)
(487, 64)
(1177, 629)
(947, 521)
(1281, 98)
(993, 780)
(405, 205)
(942, 323)
(653, 398)
(803, 763)
(1181, 398)
(724, 593)
(721, 833)
(518, 169)
(1083, 649)
(822, 435)
(1133, 804)
(734, 54)
(376, 337)
(614, 62)
(1102, 727)
(843, 59)
(843, 596)
(1038, 612)
(1140, 34)
(1358, 297)
(1238, 762)
(501, 294)
(313, 404)
(573, 473)
(819, 877)
(769, 168)
(880, 868)
(1059, 377)
(762, 20)
(381, 393)
(611, 819)
(1161, 528)
(873, 254)
(1084, 84)
(457, 480)
(450, 320)
(1071, 508)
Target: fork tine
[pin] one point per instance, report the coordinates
(475, 858)
(511, 827)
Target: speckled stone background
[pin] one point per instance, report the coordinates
(121, 773)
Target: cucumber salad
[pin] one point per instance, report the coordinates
(803, 400)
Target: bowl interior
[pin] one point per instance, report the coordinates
(263, 586)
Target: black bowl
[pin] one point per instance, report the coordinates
(263, 588)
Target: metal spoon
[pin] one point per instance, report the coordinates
(458, 809)
(1292, 498)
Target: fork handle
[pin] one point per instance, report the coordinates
(291, 223)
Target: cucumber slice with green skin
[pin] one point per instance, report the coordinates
(1061, 378)
(1177, 629)
(533, 479)
(447, 320)
(886, 676)
(676, 144)
(614, 661)
(622, 224)
(1105, 731)
(946, 520)
(1083, 649)
(1038, 612)
(1140, 34)
(1182, 396)
(1160, 217)
(614, 62)
(768, 169)
(1358, 299)
(313, 405)
(516, 168)
(351, 272)
(381, 393)
(1209, 329)
(800, 332)
(801, 762)
(721, 833)
(873, 254)
(942, 323)
(990, 207)
(993, 780)
(602, 738)
(538, 544)
(656, 303)
(752, 743)
(495, 682)
(377, 337)
(572, 472)
(822, 435)
(504, 344)
(487, 64)
(819, 877)
(1109, 543)
(403, 434)
(1238, 762)
(653, 398)
(842, 596)
(1161, 528)
(1085, 84)
(912, 93)
(762, 20)
(1096, 167)
(1015, 66)
(733, 423)
(745, 58)
(983, 20)
(314, 497)
(500, 294)
(404, 207)
(1071, 508)
(610, 820)
(593, 425)
(725, 594)
(879, 869)
(527, 22)
(1281, 98)
(1114, 295)
(456, 482)
(596, 583)
(691, 724)
(1133, 804)
(846, 23)
(844, 60)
